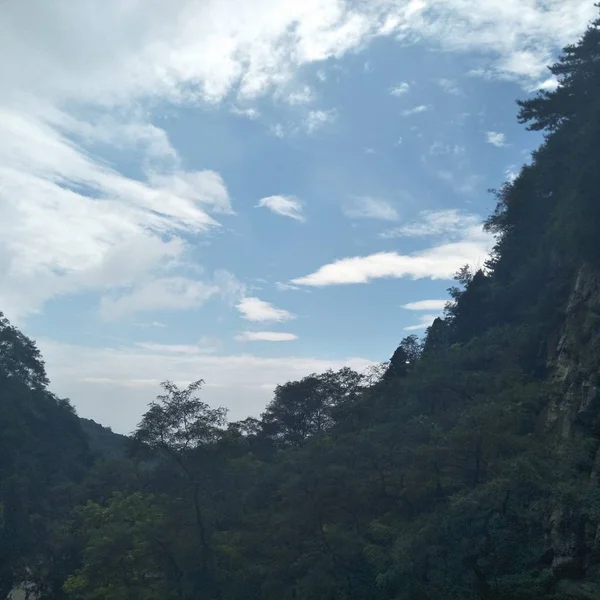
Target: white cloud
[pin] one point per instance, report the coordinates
(415, 111)
(367, 207)
(426, 305)
(440, 262)
(172, 293)
(424, 323)
(278, 130)
(449, 86)
(548, 85)
(69, 222)
(496, 139)
(257, 310)
(286, 206)
(300, 96)
(152, 324)
(248, 112)
(286, 287)
(200, 348)
(461, 246)
(318, 118)
(400, 89)
(203, 50)
(451, 223)
(115, 385)
(427, 319)
(265, 336)
(511, 173)
(439, 148)
(115, 64)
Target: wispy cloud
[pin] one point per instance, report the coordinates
(496, 139)
(426, 305)
(463, 242)
(303, 95)
(286, 206)
(450, 86)
(415, 110)
(451, 223)
(424, 322)
(511, 173)
(318, 118)
(189, 349)
(439, 148)
(265, 336)
(427, 319)
(548, 85)
(460, 182)
(367, 207)
(278, 130)
(257, 310)
(400, 89)
(286, 287)
(172, 293)
(248, 112)
(112, 385)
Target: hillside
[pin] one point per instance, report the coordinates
(470, 469)
(103, 441)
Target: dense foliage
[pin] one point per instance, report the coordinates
(443, 476)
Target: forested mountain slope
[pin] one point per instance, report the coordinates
(469, 469)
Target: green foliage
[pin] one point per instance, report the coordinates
(123, 557)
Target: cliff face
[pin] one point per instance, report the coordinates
(576, 363)
(574, 414)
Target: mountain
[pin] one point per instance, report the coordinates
(103, 441)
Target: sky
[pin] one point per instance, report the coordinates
(251, 191)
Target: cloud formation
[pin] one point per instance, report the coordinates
(114, 385)
(426, 305)
(451, 223)
(496, 138)
(69, 222)
(257, 310)
(286, 206)
(409, 112)
(427, 319)
(185, 53)
(318, 118)
(450, 86)
(265, 336)
(400, 89)
(168, 293)
(367, 207)
(461, 241)
(194, 50)
(424, 322)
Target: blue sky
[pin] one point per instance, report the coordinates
(247, 192)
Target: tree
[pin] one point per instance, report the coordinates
(178, 422)
(406, 356)
(578, 73)
(182, 428)
(124, 556)
(305, 408)
(19, 357)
